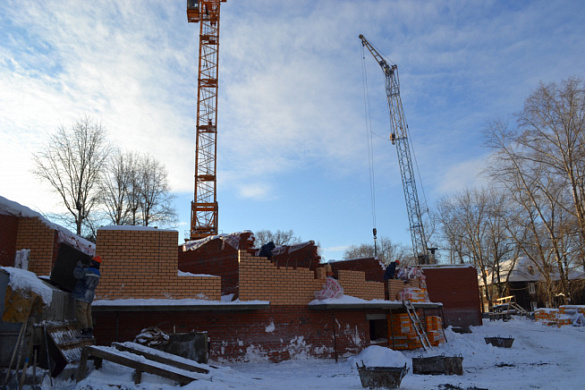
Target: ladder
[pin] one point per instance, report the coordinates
(420, 330)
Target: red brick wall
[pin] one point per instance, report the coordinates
(278, 333)
(457, 289)
(144, 264)
(8, 231)
(35, 235)
(297, 256)
(373, 269)
(214, 258)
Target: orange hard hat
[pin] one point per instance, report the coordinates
(97, 259)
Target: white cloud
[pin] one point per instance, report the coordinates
(258, 191)
(462, 175)
(291, 95)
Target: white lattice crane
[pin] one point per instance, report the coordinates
(399, 137)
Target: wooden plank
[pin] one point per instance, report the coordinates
(132, 363)
(143, 351)
(82, 368)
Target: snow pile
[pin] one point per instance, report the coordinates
(377, 356)
(23, 280)
(21, 259)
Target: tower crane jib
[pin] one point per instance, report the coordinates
(399, 137)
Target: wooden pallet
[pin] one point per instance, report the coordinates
(141, 359)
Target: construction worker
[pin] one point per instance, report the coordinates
(391, 270)
(266, 250)
(88, 278)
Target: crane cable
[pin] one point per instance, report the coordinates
(369, 139)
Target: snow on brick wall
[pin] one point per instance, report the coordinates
(35, 235)
(144, 264)
(214, 258)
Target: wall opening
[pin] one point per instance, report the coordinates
(378, 328)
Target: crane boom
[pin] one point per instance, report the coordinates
(204, 208)
(399, 137)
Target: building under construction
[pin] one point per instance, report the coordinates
(221, 288)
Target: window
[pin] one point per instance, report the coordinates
(378, 328)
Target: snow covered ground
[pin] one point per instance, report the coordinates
(541, 358)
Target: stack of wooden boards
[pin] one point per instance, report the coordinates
(143, 359)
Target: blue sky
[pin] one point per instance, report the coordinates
(292, 142)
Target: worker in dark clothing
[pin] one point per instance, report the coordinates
(391, 270)
(88, 278)
(266, 250)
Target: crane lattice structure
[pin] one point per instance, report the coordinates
(204, 208)
(399, 137)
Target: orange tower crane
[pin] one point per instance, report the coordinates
(204, 208)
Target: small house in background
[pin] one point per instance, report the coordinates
(248, 305)
(520, 278)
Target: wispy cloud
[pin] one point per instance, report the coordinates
(291, 99)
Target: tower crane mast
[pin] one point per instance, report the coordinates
(399, 137)
(204, 208)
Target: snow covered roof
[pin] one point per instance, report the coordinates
(232, 239)
(283, 249)
(523, 269)
(189, 304)
(8, 207)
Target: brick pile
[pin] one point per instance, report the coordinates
(405, 337)
(564, 315)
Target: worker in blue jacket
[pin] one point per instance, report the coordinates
(390, 272)
(88, 278)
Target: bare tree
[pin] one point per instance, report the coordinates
(135, 191)
(155, 197)
(387, 251)
(117, 188)
(540, 223)
(278, 237)
(72, 163)
(473, 224)
(552, 136)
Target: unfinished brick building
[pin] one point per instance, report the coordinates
(248, 305)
